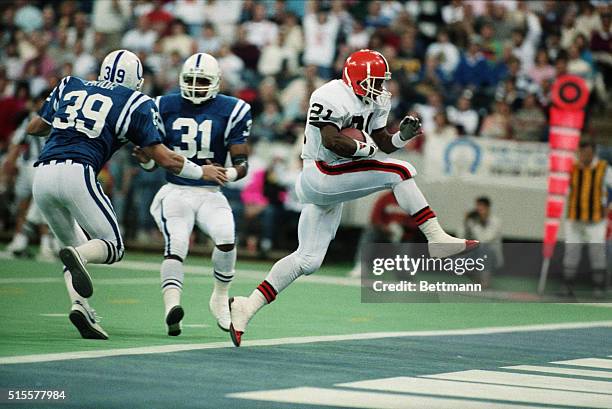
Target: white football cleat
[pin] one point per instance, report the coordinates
(451, 246)
(81, 281)
(18, 245)
(219, 308)
(241, 315)
(86, 321)
(173, 320)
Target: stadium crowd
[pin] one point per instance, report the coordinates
(470, 67)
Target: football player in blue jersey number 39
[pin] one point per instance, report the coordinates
(202, 125)
(88, 121)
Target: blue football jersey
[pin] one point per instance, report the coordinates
(92, 119)
(202, 132)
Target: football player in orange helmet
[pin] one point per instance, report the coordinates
(338, 168)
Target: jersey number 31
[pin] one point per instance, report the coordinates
(189, 138)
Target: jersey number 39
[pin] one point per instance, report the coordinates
(87, 113)
(189, 138)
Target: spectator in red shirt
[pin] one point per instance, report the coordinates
(12, 111)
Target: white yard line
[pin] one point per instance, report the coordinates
(527, 380)
(561, 371)
(161, 349)
(597, 363)
(472, 390)
(339, 398)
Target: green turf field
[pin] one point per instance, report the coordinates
(298, 350)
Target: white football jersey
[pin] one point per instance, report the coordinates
(335, 103)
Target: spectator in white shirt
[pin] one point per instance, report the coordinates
(81, 31)
(448, 52)
(485, 227)
(191, 12)
(428, 111)
(320, 33)
(140, 38)
(209, 42)
(261, 31)
(111, 17)
(359, 37)
(84, 63)
(463, 116)
(525, 44)
(231, 66)
(179, 41)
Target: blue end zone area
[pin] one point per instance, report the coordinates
(205, 378)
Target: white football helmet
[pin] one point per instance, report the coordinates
(122, 67)
(200, 78)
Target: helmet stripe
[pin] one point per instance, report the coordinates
(112, 76)
(386, 63)
(198, 60)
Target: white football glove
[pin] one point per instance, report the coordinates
(365, 149)
(409, 127)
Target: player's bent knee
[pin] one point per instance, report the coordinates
(178, 247)
(226, 247)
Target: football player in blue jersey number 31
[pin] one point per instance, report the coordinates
(87, 121)
(203, 126)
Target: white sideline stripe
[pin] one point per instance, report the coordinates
(590, 362)
(161, 349)
(249, 274)
(56, 315)
(533, 381)
(189, 269)
(472, 390)
(31, 280)
(561, 371)
(357, 399)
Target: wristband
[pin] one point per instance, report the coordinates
(147, 166)
(231, 173)
(191, 171)
(397, 140)
(364, 149)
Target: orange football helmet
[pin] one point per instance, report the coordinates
(365, 72)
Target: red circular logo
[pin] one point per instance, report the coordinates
(570, 92)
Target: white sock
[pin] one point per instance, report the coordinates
(94, 251)
(172, 274)
(74, 296)
(45, 243)
(409, 196)
(224, 263)
(433, 231)
(256, 301)
(221, 288)
(172, 297)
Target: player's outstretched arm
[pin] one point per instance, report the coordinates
(410, 127)
(239, 154)
(182, 166)
(344, 146)
(38, 127)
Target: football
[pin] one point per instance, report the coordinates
(353, 133)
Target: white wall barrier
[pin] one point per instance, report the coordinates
(454, 172)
